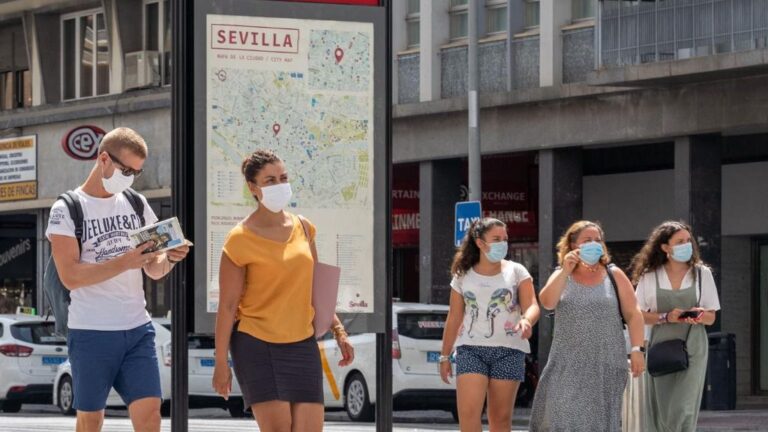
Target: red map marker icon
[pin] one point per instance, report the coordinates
(339, 53)
(276, 128)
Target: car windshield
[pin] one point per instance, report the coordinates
(39, 333)
(421, 325)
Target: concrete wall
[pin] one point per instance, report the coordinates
(57, 172)
(578, 54)
(736, 303)
(525, 63)
(745, 209)
(408, 78)
(517, 121)
(629, 205)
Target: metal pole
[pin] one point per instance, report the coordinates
(181, 156)
(510, 30)
(384, 340)
(474, 124)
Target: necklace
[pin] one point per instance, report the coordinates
(592, 268)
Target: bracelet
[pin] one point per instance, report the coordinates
(173, 262)
(338, 331)
(663, 318)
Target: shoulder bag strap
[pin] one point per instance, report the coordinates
(697, 283)
(72, 201)
(311, 242)
(609, 269)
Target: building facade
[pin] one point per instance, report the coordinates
(626, 112)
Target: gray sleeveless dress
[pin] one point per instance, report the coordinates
(582, 384)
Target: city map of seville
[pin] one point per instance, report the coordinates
(303, 88)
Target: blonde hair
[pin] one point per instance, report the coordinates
(124, 138)
(570, 236)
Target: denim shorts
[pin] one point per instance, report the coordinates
(125, 360)
(501, 363)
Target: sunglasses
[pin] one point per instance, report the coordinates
(126, 170)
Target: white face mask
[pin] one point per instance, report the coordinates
(276, 197)
(117, 183)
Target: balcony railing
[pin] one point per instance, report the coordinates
(634, 32)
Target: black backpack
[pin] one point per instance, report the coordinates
(55, 291)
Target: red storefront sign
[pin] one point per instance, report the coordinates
(82, 142)
(405, 205)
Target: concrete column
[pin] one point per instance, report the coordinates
(560, 204)
(439, 189)
(554, 14)
(399, 41)
(698, 196)
(433, 33)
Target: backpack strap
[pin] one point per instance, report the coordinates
(609, 269)
(137, 203)
(72, 201)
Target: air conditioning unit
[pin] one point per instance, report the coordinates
(142, 69)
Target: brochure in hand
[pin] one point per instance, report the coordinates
(166, 234)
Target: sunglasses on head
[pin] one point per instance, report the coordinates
(125, 169)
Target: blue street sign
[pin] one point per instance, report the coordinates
(466, 213)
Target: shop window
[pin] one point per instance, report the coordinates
(85, 55)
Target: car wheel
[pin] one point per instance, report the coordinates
(236, 407)
(66, 396)
(11, 406)
(356, 399)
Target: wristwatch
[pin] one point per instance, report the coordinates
(443, 358)
(640, 349)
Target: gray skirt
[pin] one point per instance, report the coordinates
(267, 371)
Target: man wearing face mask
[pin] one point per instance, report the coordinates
(111, 338)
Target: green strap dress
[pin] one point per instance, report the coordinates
(673, 400)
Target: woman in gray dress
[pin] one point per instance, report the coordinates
(671, 279)
(582, 384)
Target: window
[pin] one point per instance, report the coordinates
(15, 78)
(531, 13)
(582, 9)
(496, 14)
(85, 55)
(157, 35)
(459, 19)
(412, 24)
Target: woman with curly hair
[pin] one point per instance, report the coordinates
(671, 280)
(582, 385)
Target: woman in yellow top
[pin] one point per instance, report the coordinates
(265, 308)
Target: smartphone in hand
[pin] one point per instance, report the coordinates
(695, 314)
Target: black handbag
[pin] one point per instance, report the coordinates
(671, 356)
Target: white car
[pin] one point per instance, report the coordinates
(416, 343)
(30, 352)
(201, 363)
(63, 393)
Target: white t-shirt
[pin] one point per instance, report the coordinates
(117, 303)
(646, 288)
(492, 307)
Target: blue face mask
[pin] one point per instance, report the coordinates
(591, 252)
(498, 251)
(682, 252)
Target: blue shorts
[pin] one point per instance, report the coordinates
(125, 360)
(499, 363)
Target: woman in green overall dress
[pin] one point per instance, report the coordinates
(667, 272)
